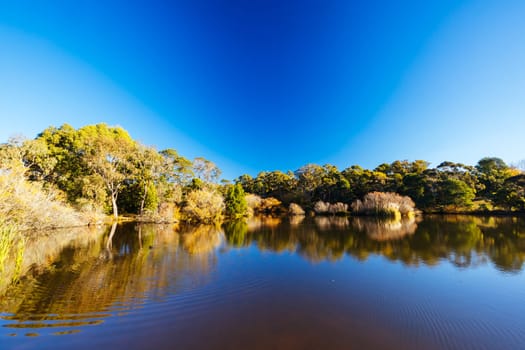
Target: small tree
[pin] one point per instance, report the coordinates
(147, 172)
(235, 201)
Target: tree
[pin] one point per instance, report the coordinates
(177, 169)
(333, 185)
(206, 170)
(456, 193)
(362, 181)
(246, 182)
(63, 165)
(108, 152)
(147, 172)
(492, 173)
(489, 164)
(235, 201)
(422, 188)
(12, 153)
(512, 193)
(315, 182)
(309, 177)
(32, 155)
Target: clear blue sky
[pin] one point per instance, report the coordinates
(272, 84)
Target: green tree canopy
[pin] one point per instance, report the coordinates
(457, 193)
(235, 201)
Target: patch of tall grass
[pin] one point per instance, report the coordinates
(384, 204)
(324, 208)
(11, 242)
(30, 206)
(7, 236)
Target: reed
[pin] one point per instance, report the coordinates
(8, 234)
(12, 245)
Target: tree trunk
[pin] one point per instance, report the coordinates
(109, 243)
(143, 201)
(114, 202)
(140, 236)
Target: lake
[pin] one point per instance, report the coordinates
(452, 282)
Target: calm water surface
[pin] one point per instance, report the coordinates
(323, 283)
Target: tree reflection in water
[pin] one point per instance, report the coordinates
(296, 219)
(87, 280)
(385, 229)
(325, 223)
(202, 239)
(115, 272)
(463, 241)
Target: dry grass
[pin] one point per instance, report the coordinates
(29, 206)
(387, 204)
(12, 247)
(321, 207)
(8, 235)
(295, 209)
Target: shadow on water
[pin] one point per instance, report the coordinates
(461, 240)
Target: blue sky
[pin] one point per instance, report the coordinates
(271, 84)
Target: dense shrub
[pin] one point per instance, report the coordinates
(321, 207)
(384, 204)
(258, 205)
(270, 205)
(167, 212)
(253, 202)
(295, 209)
(203, 205)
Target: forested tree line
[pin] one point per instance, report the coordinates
(450, 187)
(99, 168)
